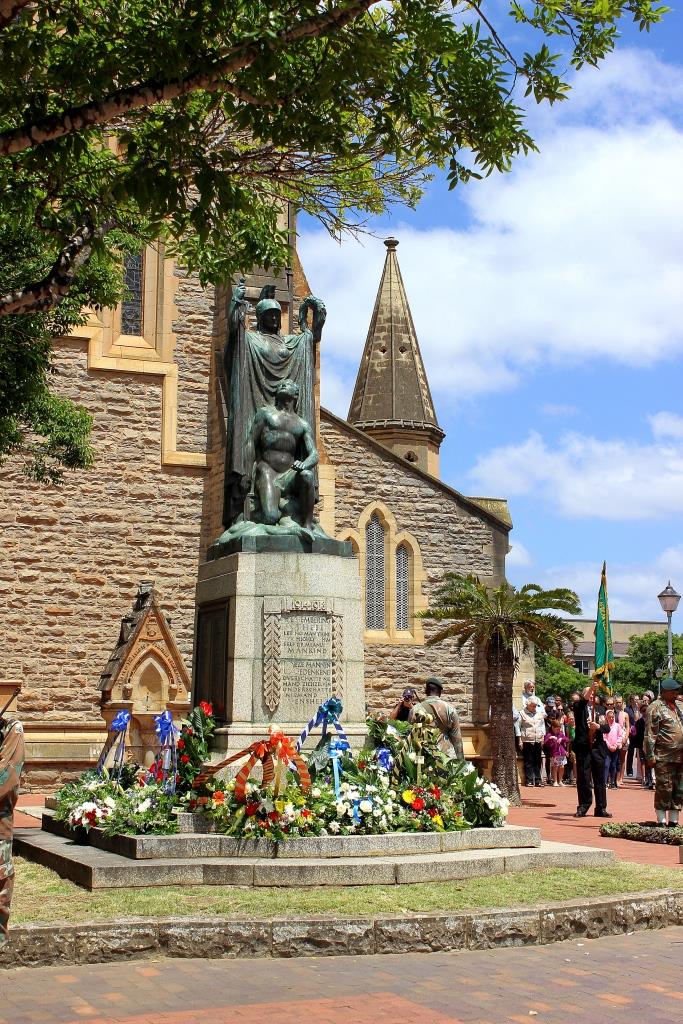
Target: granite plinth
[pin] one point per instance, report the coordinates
(276, 634)
(207, 845)
(96, 869)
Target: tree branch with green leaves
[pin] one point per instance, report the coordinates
(197, 120)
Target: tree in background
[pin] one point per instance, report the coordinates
(555, 676)
(636, 672)
(197, 120)
(503, 622)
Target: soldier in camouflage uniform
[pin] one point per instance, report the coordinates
(445, 718)
(663, 751)
(11, 763)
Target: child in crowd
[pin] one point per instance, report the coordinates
(555, 744)
(614, 740)
(570, 732)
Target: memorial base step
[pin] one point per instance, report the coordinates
(97, 869)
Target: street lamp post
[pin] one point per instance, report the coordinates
(669, 601)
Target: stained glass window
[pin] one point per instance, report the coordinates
(131, 307)
(374, 574)
(402, 587)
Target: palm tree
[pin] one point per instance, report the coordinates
(503, 622)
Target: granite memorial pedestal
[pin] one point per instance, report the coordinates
(277, 632)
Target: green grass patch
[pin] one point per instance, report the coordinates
(42, 896)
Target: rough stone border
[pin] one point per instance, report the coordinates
(40, 945)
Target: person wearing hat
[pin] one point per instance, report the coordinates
(11, 764)
(663, 751)
(402, 710)
(445, 718)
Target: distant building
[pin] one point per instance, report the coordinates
(583, 658)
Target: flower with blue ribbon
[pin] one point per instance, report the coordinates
(384, 759)
(337, 749)
(117, 740)
(120, 722)
(327, 715)
(166, 732)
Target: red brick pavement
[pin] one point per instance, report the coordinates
(28, 800)
(635, 977)
(552, 810)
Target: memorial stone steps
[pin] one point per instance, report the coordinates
(206, 859)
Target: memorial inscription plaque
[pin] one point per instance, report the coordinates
(302, 652)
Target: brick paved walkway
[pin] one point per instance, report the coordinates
(635, 975)
(557, 822)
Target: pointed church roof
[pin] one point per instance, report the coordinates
(391, 387)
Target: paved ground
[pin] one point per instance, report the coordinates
(552, 810)
(634, 977)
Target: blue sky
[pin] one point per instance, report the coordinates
(549, 307)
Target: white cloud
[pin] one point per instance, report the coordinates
(518, 556)
(667, 424)
(557, 409)
(575, 255)
(586, 477)
(632, 586)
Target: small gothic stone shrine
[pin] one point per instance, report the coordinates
(145, 674)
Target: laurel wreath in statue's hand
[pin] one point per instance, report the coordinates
(319, 315)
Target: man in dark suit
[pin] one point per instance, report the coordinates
(590, 750)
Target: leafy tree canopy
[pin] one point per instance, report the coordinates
(636, 672)
(554, 676)
(198, 119)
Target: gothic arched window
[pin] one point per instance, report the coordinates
(402, 592)
(132, 304)
(374, 573)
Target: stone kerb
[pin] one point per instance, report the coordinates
(37, 945)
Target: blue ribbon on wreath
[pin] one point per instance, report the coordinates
(327, 715)
(384, 759)
(168, 756)
(337, 748)
(118, 729)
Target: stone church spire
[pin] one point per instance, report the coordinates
(391, 400)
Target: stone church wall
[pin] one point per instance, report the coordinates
(72, 556)
(450, 538)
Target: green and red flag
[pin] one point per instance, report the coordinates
(604, 657)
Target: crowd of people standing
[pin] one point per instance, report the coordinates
(556, 745)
